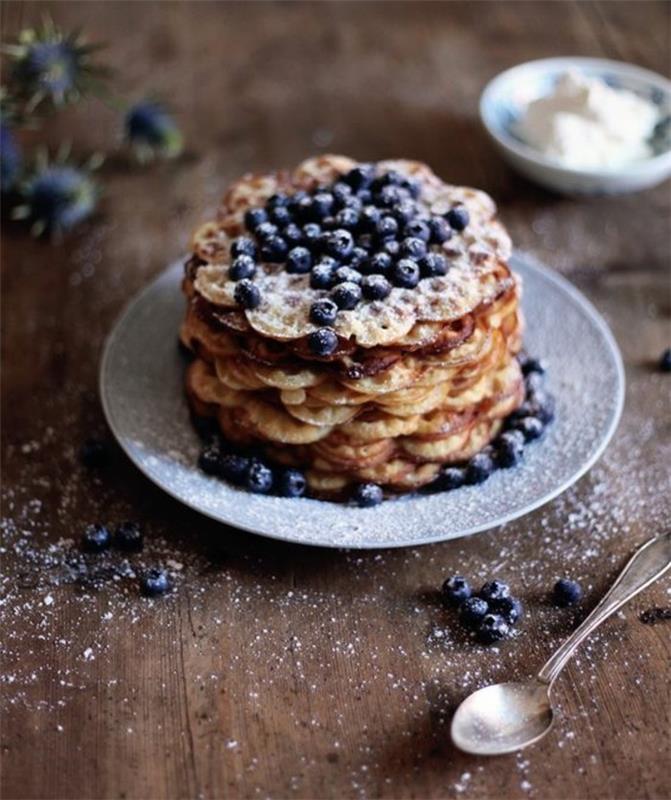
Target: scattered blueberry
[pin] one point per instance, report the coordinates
(322, 275)
(509, 608)
(665, 361)
(493, 591)
(347, 218)
(457, 218)
(299, 260)
(209, 459)
(492, 628)
(530, 427)
(456, 589)
(292, 235)
(386, 228)
(96, 538)
(367, 495)
(369, 217)
(242, 267)
(338, 243)
(254, 217)
(360, 177)
(472, 611)
(243, 246)
(439, 230)
(281, 216)
(247, 294)
(479, 468)
(412, 247)
(340, 191)
(323, 342)
(266, 230)
(93, 453)
(347, 274)
(234, 467)
(566, 593)
(155, 582)
(278, 200)
(291, 483)
(432, 265)
(323, 312)
(311, 233)
(378, 264)
(357, 257)
(405, 273)
(128, 536)
(450, 478)
(321, 205)
(274, 249)
(259, 478)
(509, 448)
(417, 229)
(530, 365)
(404, 211)
(347, 295)
(375, 287)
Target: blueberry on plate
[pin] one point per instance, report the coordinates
(405, 273)
(509, 448)
(530, 365)
(247, 294)
(493, 591)
(472, 611)
(323, 342)
(439, 230)
(209, 459)
(450, 478)
(432, 265)
(378, 264)
(492, 628)
(234, 468)
(417, 229)
(386, 228)
(291, 483)
(457, 218)
(243, 246)
(323, 312)
(530, 427)
(479, 468)
(412, 247)
(255, 217)
(93, 453)
(299, 261)
(509, 608)
(367, 495)
(533, 383)
(543, 407)
(375, 287)
(96, 538)
(338, 243)
(665, 361)
(274, 249)
(322, 275)
(566, 593)
(259, 478)
(128, 536)
(347, 295)
(456, 589)
(242, 267)
(155, 582)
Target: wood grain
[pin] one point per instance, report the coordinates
(279, 671)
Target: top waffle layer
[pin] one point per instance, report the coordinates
(475, 258)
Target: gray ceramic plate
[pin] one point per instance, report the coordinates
(141, 389)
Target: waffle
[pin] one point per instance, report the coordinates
(414, 381)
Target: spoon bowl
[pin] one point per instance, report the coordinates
(502, 718)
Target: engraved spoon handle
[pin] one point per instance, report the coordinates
(647, 564)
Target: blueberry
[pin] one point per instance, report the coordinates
(93, 453)
(391, 247)
(386, 228)
(432, 265)
(493, 591)
(530, 427)
(369, 217)
(259, 478)
(274, 249)
(365, 242)
(280, 216)
(291, 483)
(509, 608)
(345, 274)
(404, 211)
(155, 582)
(479, 468)
(255, 217)
(128, 536)
(390, 196)
(533, 383)
(311, 234)
(530, 365)
(375, 287)
(266, 230)
(472, 611)
(340, 191)
(96, 538)
(417, 229)
(405, 273)
(367, 495)
(456, 589)
(354, 202)
(328, 224)
(323, 342)
(412, 248)
(234, 467)
(322, 275)
(439, 230)
(338, 243)
(242, 267)
(450, 478)
(243, 246)
(665, 361)
(543, 407)
(346, 295)
(278, 200)
(378, 264)
(357, 257)
(347, 218)
(457, 218)
(390, 178)
(492, 628)
(209, 459)
(359, 177)
(292, 235)
(323, 312)
(295, 200)
(566, 593)
(299, 261)
(509, 448)
(321, 205)
(247, 294)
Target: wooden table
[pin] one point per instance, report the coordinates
(279, 671)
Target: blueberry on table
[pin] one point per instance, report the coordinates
(472, 611)
(323, 342)
(479, 468)
(299, 261)
(665, 361)
(367, 495)
(347, 295)
(455, 590)
(291, 483)
(509, 448)
(450, 478)
(209, 459)
(530, 427)
(247, 294)
(492, 628)
(457, 218)
(375, 287)
(322, 275)
(96, 538)
(274, 249)
(432, 265)
(509, 608)
(155, 582)
(242, 267)
(243, 246)
(493, 591)
(566, 593)
(323, 312)
(234, 467)
(412, 247)
(259, 478)
(93, 453)
(405, 273)
(255, 217)
(439, 230)
(128, 536)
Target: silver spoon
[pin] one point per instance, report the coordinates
(506, 717)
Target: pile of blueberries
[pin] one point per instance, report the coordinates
(356, 238)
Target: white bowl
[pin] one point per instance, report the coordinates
(507, 95)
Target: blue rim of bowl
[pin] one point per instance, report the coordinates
(551, 275)
(505, 140)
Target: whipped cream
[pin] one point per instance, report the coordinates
(586, 124)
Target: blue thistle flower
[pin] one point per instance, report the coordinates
(152, 132)
(10, 158)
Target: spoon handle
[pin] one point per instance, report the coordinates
(647, 564)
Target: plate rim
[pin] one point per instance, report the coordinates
(529, 260)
